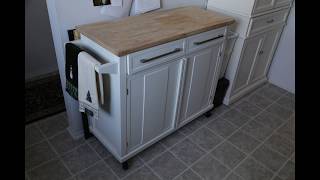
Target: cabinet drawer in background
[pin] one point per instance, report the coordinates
(265, 21)
(262, 5)
(147, 58)
(206, 39)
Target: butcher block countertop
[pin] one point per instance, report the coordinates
(135, 33)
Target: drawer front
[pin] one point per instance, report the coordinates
(147, 58)
(206, 39)
(265, 21)
(280, 3)
(263, 5)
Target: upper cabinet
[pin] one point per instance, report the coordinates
(248, 7)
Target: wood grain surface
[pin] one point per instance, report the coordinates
(134, 33)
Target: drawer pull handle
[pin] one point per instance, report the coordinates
(160, 56)
(202, 42)
(270, 21)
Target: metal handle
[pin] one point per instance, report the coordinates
(162, 55)
(202, 42)
(270, 21)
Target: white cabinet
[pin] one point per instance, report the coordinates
(259, 24)
(256, 58)
(153, 100)
(249, 55)
(201, 77)
(265, 55)
(248, 8)
(156, 90)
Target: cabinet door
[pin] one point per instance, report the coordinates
(263, 5)
(152, 102)
(249, 54)
(280, 3)
(202, 73)
(265, 54)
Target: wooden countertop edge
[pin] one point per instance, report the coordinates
(162, 41)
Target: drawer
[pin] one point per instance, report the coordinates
(262, 5)
(205, 39)
(147, 58)
(280, 3)
(265, 21)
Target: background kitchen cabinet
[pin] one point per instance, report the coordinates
(250, 51)
(259, 24)
(265, 54)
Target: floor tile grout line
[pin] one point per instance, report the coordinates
(61, 160)
(137, 169)
(278, 171)
(103, 159)
(34, 144)
(186, 136)
(206, 153)
(41, 164)
(44, 137)
(209, 152)
(250, 154)
(232, 171)
(261, 142)
(45, 162)
(284, 164)
(154, 172)
(187, 166)
(167, 149)
(83, 170)
(282, 125)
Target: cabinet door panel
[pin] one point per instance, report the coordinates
(201, 74)
(155, 91)
(263, 5)
(153, 98)
(249, 54)
(265, 54)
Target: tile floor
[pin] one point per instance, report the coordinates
(254, 139)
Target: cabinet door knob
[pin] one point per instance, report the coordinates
(261, 52)
(270, 21)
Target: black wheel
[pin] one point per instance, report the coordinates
(125, 165)
(208, 114)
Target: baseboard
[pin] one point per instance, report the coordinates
(193, 117)
(232, 99)
(43, 77)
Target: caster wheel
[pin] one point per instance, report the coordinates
(208, 114)
(125, 165)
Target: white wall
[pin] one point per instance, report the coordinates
(282, 70)
(66, 14)
(39, 50)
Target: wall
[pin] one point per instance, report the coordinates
(39, 50)
(66, 15)
(282, 70)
